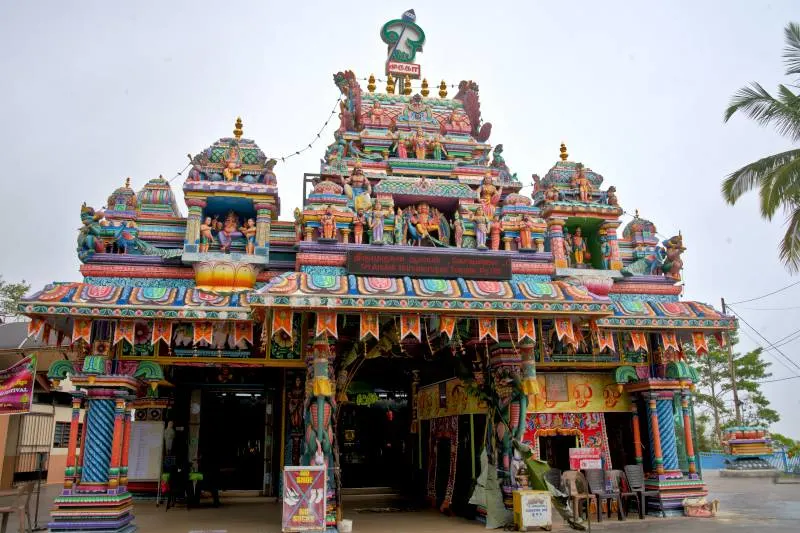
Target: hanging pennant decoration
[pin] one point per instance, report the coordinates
(124, 330)
(410, 325)
(82, 330)
(242, 331)
(526, 328)
(564, 329)
(605, 339)
(487, 327)
(447, 325)
(203, 332)
(162, 331)
(369, 325)
(700, 343)
(35, 326)
(326, 323)
(639, 340)
(669, 340)
(721, 339)
(282, 321)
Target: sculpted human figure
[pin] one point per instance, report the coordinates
(376, 223)
(578, 247)
(229, 230)
(495, 228)
(458, 230)
(438, 148)
(488, 194)
(206, 238)
(582, 183)
(551, 193)
(358, 227)
(328, 224)
(611, 196)
(233, 167)
(481, 227)
(399, 227)
(400, 146)
(420, 144)
(525, 226)
(249, 231)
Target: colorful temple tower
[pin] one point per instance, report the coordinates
(514, 318)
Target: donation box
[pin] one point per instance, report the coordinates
(532, 509)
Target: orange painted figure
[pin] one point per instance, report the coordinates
(495, 228)
(328, 224)
(420, 144)
(525, 227)
(582, 183)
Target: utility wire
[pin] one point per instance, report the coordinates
(768, 350)
(765, 295)
(792, 361)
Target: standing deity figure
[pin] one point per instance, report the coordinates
(327, 224)
(399, 227)
(567, 240)
(488, 194)
(605, 250)
(298, 224)
(481, 227)
(377, 116)
(358, 227)
(233, 167)
(525, 227)
(376, 223)
(582, 183)
(229, 230)
(458, 122)
(611, 196)
(249, 231)
(295, 398)
(169, 437)
(206, 238)
(579, 247)
(399, 146)
(438, 148)
(495, 228)
(458, 230)
(420, 144)
(550, 194)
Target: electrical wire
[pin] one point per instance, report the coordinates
(737, 315)
(767, 351)
(765, 295)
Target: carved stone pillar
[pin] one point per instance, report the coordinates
(191, 240)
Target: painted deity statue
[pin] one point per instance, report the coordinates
(582, 183)
(206, 238)
(400, 145)
(611, 196)
(551, 194)
(420, 144)
(489, 195)
(457, 122)
(233, 166)
(481, 227)
(579, 248)
(327, 224)
(509, 423)
(399, 227)
(227, 231)
(458, 230)
(495, 228)
(96, 226)
(376, 224)
(377, 116)
(358, 227)
(438, 148)
(357, 183)
(269, 173)
(525, 227)
(673, 264)
(567, 240)
(249, 231)
(423, 223)
(298, 224)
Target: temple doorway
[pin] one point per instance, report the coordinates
(620, 439)
(555, 450)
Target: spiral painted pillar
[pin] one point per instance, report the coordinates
(687, 432)
(666, 428)
(637, 433)
(655, 437)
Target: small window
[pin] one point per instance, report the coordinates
(61, 435)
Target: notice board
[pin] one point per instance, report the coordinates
(145, 450)
(304, 498)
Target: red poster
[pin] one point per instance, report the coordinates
(585, 459)
(304, 498)
(16, 386)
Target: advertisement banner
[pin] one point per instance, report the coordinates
(304, 498)
(16, 386)
(585, 459)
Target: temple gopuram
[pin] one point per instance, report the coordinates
(416, 320)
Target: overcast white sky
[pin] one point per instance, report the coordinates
(93, 92)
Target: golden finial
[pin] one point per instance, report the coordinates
(425, 91)
(443, 90)
(390, 84)
(371, 83)
(407, 85)
(237, 129)
(127, 183)
(563, 150)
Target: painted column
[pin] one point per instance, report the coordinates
(192, 239)
(414, 410)
(556, 230)
(116, 443)
(655, 437)
(99, 435)
(687, 432)
(637, 432)
(263, 225)
(71, 471)
(666, 430)
(126, 442)
(615, 262)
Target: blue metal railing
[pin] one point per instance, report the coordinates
(779, 460)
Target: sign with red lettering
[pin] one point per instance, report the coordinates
(304, 498)
(16, 386)
(585, 459)
(385, 263)
(403, 69)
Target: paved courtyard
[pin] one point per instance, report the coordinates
(745, 505)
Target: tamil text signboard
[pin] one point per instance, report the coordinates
(16, 386)
(385, 263)
(585, 459)
(304, 498)
(403, 69)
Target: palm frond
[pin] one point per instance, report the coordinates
(757, 103)
(779, 185)
(749, 176)
(791, 52)
(790, 244)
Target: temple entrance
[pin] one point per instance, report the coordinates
(620, 439)
(555, 450)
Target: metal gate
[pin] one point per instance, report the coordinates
(34, 439)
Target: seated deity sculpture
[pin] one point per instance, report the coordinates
(227, 231)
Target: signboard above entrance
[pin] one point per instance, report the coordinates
(385, 263)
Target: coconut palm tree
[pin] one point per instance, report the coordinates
(777, 177)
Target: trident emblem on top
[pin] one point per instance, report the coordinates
(403, 37)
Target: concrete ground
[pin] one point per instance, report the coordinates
(745, 505)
